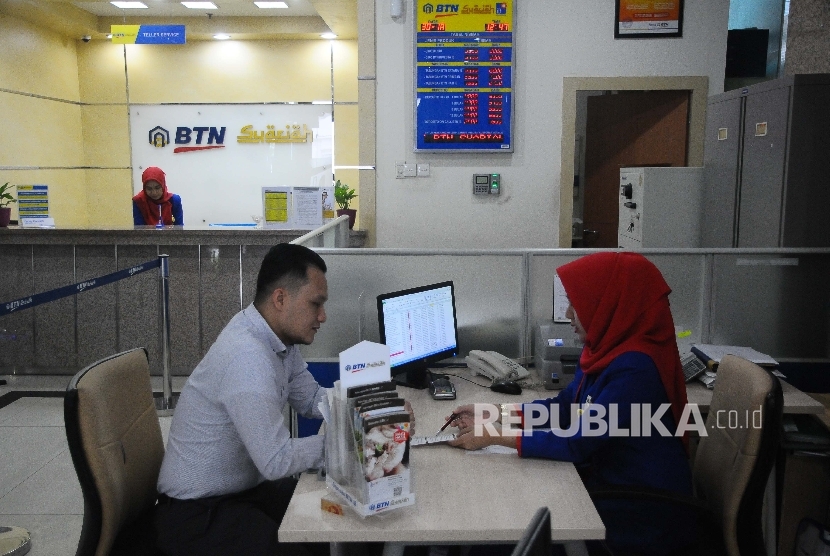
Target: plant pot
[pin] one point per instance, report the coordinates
(6, 216)
(352, 214)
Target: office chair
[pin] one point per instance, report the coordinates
(732, 464)
(536, 539)
(116, 445)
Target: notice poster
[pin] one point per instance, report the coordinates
(645, 18)
(327, 199)
(308, 208)
(464, 77)
(33, 205)
(276, 207)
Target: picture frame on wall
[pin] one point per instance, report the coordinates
(648, 19)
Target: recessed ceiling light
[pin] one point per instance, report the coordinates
(129, 5)
(328, 36)
(109, 35)
(221, 37)
(271, 4)
(200, 5)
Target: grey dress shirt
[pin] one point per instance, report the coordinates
(228, 432)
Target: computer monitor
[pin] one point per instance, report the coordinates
(420, 327)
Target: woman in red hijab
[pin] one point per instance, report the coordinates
(154, 202)
(619, 308)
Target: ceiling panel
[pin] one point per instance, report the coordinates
(303, 19)
(171, 8)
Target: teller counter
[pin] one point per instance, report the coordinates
(212, 273)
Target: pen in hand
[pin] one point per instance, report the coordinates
(451, 418)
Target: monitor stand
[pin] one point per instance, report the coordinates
(417, 379)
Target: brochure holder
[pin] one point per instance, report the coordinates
(357, 472)
(367, 452)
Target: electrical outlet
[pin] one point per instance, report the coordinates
(410, 170)
(423, 170)
(399, 170)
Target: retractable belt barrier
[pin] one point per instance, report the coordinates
(164, 406)
(65, 291)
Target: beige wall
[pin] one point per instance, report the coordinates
(81, 132)
(40, 134)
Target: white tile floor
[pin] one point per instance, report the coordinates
(39, 490)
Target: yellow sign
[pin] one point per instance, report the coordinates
(124, 34)
(276, 207)
(475, 18)
(292, 134)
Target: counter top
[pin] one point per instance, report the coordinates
(149, 235)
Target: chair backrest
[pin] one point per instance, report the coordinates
(733, 462)
(536, 539)
(116, 445)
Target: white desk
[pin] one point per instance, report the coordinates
(795, 401)
(461, 497)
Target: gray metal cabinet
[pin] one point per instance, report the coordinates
(767, 165)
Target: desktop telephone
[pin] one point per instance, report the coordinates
(495, 366)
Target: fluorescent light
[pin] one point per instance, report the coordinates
(320, 102)
(200, 5)
(328, 36)
(109, 35)
(266, 5)
(221, 37)
(129, 5)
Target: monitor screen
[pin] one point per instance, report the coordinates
(419, 326)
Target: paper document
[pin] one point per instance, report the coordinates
(431, 440)
(715, 353)
(493, 449)
(560, 301)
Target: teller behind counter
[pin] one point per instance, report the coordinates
(154, 205)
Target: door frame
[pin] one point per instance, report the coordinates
(699, 87)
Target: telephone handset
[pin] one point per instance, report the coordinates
(495, 366)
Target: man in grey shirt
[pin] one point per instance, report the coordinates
(225, 480)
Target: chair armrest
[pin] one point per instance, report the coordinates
(630, 492)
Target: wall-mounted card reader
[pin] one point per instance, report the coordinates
(486, 184)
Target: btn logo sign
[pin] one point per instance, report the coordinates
(159, 137)
(205, 138)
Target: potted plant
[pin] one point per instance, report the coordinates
(5, 210)
(342, 196)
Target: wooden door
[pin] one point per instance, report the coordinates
(630, 128)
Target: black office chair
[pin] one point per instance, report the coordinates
(116, 446)
(732, 464)
(536, 539)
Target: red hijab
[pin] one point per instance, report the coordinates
(622, 301)
(150, 208)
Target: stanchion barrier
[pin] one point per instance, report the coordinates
(167, 402)
(65, 291)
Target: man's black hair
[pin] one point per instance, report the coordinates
(286, 265)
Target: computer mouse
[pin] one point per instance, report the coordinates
(506, 387)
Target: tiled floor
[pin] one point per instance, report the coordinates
(39, 490)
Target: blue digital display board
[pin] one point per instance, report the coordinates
(464, 77)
